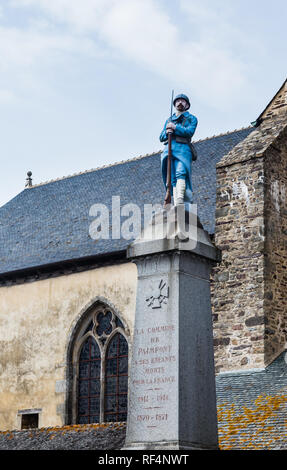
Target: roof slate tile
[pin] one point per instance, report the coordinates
(49, 223)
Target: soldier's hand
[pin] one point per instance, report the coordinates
(170, 127)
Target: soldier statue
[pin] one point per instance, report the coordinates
(181, 125)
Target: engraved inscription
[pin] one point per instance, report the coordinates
(155, 362)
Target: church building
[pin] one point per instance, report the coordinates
(67, 299)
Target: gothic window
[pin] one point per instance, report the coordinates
(116, 379)
(89, 386)
(101, 379)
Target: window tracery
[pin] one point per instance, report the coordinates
(101, 381)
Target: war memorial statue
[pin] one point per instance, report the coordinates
(172, 397)
(179, 152)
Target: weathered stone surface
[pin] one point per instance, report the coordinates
(254, 321)
(235, 296)
(275, 301)
(278, 105)
(172, 401)
(251, 233)
(255, 145)
(221, 341)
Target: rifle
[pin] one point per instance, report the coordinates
(167, 199)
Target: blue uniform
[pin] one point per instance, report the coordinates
(181, 161)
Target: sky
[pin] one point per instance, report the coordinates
(88, 83)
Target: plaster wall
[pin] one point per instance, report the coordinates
(37, 320)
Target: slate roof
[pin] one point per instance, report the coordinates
(252, 407)
(96, 437)
(49, 223)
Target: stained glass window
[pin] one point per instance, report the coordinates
(89, 382)
(89, 327)
(104, 323)
(102, 372)
(116, 379)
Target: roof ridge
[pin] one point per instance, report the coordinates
(222, 134)
(128, 160)
(93, 169)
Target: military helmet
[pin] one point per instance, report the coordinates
(184, 97)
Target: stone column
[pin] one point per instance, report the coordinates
(172, 397)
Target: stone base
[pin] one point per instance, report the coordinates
(172, 398)
(174, 229)
(172, 445)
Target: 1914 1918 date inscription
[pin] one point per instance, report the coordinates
(156, 364)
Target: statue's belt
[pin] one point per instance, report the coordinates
(185, 140)
(182, 140)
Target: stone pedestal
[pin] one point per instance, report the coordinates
(172, 398)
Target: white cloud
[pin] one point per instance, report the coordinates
(215, 23)
(143, 32)
(207, 12)
(82, 15)
(24, 52)
(24, 48)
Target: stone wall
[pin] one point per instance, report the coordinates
(275, 301)
(248, 285)
(277, 105)
(238, 281)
